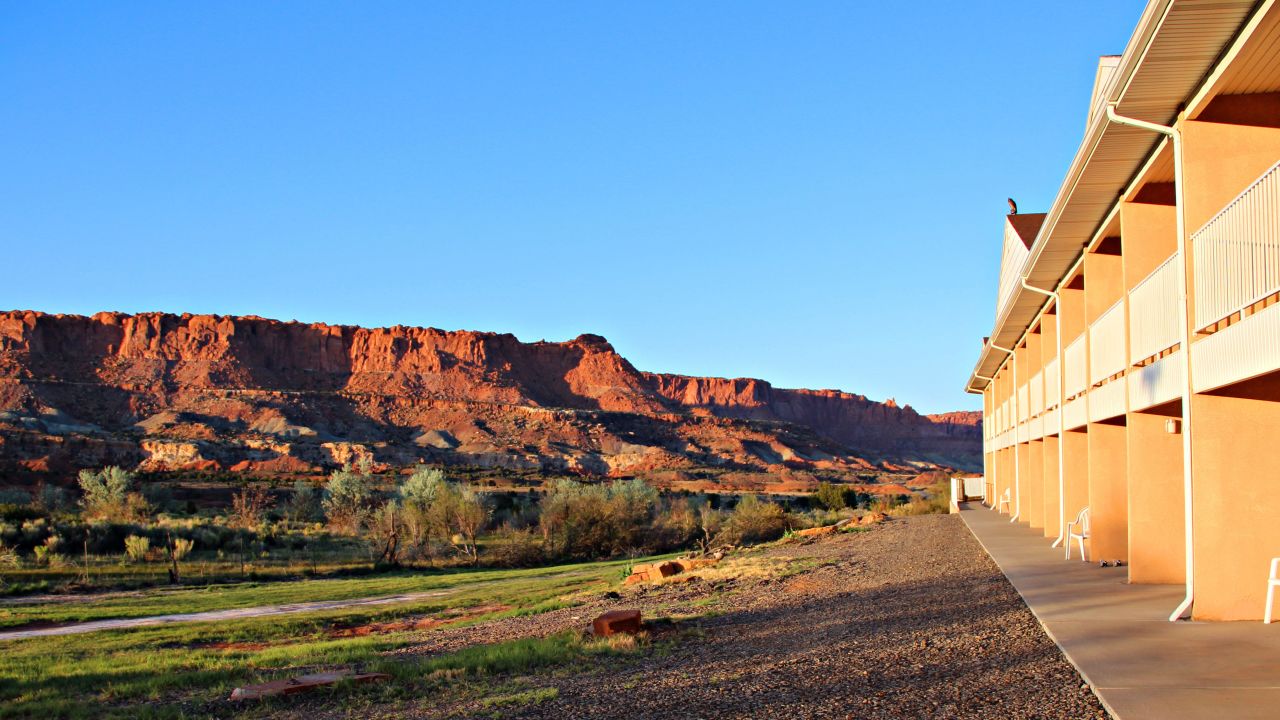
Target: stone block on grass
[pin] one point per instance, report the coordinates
(615, 622)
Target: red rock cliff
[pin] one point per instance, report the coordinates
(171, 392)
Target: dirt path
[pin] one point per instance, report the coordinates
(232, 614)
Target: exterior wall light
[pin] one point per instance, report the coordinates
(1173, 426)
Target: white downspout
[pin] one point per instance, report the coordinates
(1062, 488)
(1017, 474)
(1184, 309)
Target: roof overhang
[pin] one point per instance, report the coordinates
(1175, 47)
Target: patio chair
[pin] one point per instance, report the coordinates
(1004, 501)
(1272, 583)
(1079, 534)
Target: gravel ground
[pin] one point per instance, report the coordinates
(911, 619)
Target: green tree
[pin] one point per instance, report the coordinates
(386, 526)
(108, 494)
(423, 518)
(465, 515)
(347, 498)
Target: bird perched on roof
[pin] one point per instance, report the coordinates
(1013, 207)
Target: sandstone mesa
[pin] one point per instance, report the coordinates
(165, 392)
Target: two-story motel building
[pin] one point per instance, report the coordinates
(1134, 366)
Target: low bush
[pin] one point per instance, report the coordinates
(754, 520)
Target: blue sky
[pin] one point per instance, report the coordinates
(806, 192)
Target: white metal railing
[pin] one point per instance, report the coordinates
(1051, 381)
(1074, 414)
(1106, 344)
(1240, 352)
(1237, 253)
(1037, 393)
(1153, 313)
(1159, 382)
(1076, 367)
(1107, 400)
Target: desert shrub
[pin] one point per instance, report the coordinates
(182, 548)
(47, 553)
(424, 520)
(577, 521)
(18, 513)
(888, 503)
(347, 498)
(830, 496)
(676, 524)
(385, 527)
(623, 517)
(15, 497)
(710, 525)
(159, 498)
(304, 502)
(248, 505)
(512, 547)
(9, 557)
(937, 499)
(465, 516)
(49, 499)
(436, 512)
(136, 547)
(108, 494)
(754, 520)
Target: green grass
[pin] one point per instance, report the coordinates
(241, 595)
(190, 669)
(528, 697)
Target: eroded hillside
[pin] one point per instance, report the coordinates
(165, 392)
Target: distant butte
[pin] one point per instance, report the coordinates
(164, 392)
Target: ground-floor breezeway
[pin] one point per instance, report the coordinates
(1118, 635)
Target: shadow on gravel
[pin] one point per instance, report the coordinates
(962, 645)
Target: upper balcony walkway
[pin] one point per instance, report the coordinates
(1118, 635)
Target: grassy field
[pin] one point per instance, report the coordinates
(184, 670)
(458, 584)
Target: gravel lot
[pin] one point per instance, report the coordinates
(908, 620)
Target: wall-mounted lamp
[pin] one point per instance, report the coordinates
(1173, 426)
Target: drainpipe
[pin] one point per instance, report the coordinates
(1175, 136)
(1017, 475)
(1062, 488)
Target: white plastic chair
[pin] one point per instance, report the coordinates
(1080, 534)
(1004, 500)
(1272, 583)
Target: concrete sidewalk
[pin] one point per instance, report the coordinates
(1118, 635)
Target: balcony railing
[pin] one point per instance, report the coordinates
(1051, 381)
(1076, 368)
(1106, 344)
(1237, 253)
(1153, 313)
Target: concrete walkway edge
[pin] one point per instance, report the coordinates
(1117, 635)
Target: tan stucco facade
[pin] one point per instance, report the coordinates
(1123, 432)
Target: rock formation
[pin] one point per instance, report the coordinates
(166, 392)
